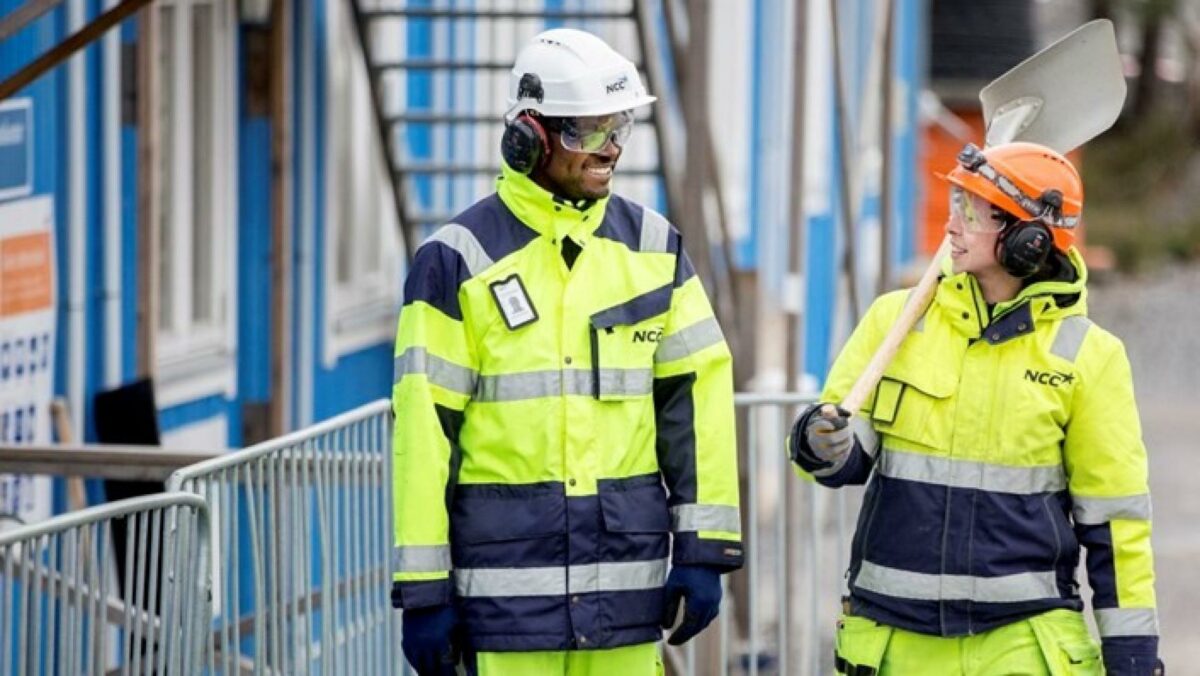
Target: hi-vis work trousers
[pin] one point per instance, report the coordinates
(634, 660)
(1056, 643)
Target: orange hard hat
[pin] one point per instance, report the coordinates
(1029, 181)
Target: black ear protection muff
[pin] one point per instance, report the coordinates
(1023, 247)
(525, 144)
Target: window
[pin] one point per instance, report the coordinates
(197, 197)
(363, 257)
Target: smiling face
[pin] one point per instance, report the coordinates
(973, 230)
(576, 175)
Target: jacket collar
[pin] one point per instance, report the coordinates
(550, 215)
(961, 300)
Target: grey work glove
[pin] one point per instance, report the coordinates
(828, 433)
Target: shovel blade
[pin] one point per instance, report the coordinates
(1061, 97)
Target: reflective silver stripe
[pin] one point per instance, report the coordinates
(705, 517)
(539, 384)
(1071, 333)
(553, 581)
(627, 576)
(482, 582)
(654, 231)
(971, 473)
(443, 373)
(461, 240)
(516, 386)
(624, 382)
(421, 558)
(689, 340)
(926, 587)
(1095, 511)
(865, 431)
(1126, 622)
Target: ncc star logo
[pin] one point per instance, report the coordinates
(1050, 378)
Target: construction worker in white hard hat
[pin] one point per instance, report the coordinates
(565, 472)
(1002, 438)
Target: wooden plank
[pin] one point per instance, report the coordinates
(23, 15)
(74, 42)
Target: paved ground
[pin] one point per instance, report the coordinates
(1159, 320)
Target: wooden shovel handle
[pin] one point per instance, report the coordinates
(914, 308)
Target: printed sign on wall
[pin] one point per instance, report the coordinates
(27, 328)
(16, 148)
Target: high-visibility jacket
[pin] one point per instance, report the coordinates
(558, 429)
(997, 444)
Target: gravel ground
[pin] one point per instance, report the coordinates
(1158, 317)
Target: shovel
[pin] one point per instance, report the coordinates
(1061, 97)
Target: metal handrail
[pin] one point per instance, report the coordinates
(109, 461)
(265, 448)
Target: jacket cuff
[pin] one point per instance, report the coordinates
(689, 549)
(1130, 655)
(422, 594)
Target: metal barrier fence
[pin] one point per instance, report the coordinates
(67, 607)
(313, 510)
(780, 611)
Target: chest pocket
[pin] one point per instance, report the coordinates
(623, 340)
(914, 402)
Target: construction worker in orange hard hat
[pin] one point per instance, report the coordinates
(1003, 436)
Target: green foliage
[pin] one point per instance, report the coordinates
(1141, 193)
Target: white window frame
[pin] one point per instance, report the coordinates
(360, 312)
(195, 360)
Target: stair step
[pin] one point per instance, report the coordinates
(437, 117)
(548, 15)
(448, 64)
(443, 169)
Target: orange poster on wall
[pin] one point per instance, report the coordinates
(28, 332)
(26, 280)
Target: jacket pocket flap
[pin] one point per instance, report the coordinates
(634, 505)
(499, 513)
(634, 310)
(913, 369)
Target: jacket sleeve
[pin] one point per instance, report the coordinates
(435, 374)
(855, 468)
(1107, 478)
(696, 442)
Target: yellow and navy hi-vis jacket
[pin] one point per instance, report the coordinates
(558, 428)
(998, 446)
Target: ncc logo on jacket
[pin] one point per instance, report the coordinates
(647, 336)
(1051, 378)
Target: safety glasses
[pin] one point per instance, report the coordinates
(591, 134)
(962, 207)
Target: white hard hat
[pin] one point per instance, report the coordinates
(565, 72)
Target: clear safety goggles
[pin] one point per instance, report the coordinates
(1047, 208)
(962, 207)
(592, 133)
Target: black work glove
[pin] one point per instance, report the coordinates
(699, 588)
(428, 639)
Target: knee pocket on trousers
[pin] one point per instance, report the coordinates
(1066, 645)
(861, 643)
